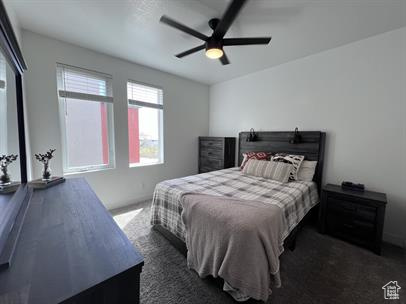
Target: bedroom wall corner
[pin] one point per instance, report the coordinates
(185, 104)
(355, 93)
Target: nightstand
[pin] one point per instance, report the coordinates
(357, 217)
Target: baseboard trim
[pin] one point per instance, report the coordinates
(133, 204)
(394, 239)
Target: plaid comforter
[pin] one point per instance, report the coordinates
(294, 198)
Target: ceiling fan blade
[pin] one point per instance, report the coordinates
(228, 18)
(246, 41)
(191, 51)
(224, 59)
(182, 27)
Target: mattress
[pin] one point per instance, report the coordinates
(294, 198)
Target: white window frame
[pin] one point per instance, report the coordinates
(62, 95)
(132, 103)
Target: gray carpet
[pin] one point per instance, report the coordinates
(321, 269)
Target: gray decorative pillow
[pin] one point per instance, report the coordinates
(278, 171)
(294, 160)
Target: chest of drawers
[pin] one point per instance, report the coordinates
(216, 153)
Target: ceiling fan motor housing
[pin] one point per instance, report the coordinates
(213, 23)
(213, 43)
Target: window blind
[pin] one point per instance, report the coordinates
(82, 84)
(144, 96)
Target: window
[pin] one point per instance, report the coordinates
(145, 124)
(86, 114)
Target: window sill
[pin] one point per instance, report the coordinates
(90, 170)
(145, 165)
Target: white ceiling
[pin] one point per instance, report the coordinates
(130, 29)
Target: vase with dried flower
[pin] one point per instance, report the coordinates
(44, 159)
(6, 160)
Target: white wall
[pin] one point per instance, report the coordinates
(355, 93)
(185, 117)
(13, 19)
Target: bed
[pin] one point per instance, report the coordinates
(230, 188)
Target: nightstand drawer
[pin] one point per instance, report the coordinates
(350, 228)
(351, 209)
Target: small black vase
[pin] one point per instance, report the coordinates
(5, 177)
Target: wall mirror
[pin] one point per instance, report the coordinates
(10, 174)
(14, 192)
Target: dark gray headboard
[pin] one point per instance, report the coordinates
(311, 146)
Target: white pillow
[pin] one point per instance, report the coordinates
(307, 170)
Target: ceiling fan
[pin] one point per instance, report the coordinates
(215, 43)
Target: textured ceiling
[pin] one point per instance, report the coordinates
(130, 29)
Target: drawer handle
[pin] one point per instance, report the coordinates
(349, 226)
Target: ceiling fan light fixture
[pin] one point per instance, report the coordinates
(214, 49)
(214, 53)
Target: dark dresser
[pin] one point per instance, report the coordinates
(216, 153)
(70, 250)
(357, 217)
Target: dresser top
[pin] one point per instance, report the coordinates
(370, 195)
(68, 243)
(215, 137)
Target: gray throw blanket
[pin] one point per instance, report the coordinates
(237, 240)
